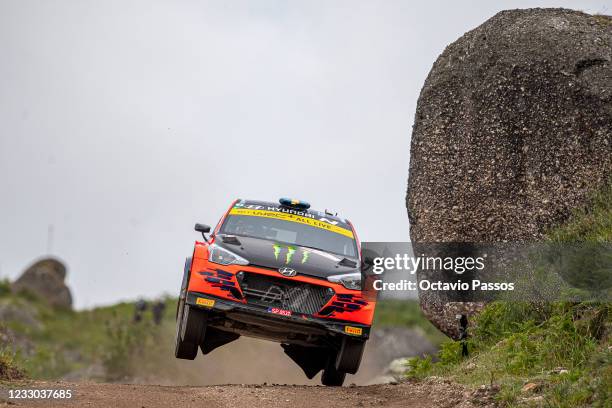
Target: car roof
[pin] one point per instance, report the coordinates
(316, 213)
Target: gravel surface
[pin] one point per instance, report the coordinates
(430, 393)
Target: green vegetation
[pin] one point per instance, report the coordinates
(540, 354)
(52, 343)
(138, 350)
(8, 368)
(591, 224)
(5, 287)
(603, 19)
(562, 349)
(561, 352)
(105, 344)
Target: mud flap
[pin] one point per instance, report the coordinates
(216, 338)
(310, 359)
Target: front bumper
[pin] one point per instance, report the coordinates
(220, 282)
(264, 316)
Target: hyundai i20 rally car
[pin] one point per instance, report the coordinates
(281, 272)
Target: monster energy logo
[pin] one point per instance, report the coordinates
(289, 255)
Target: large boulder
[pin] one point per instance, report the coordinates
(513, 131)
(45, 279)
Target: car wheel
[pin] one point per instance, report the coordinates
(331, 376)
(349, 356)
(183, 349)
(184, 284)
(193, 324)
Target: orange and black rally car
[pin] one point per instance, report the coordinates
(282, 272)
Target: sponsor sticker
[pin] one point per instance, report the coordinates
(205, 302)
(293, 218)
(354, 331)
(278, 311)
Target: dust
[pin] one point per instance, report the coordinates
(247, 361)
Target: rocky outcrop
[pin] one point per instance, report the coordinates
(513, 131)
(45, 279)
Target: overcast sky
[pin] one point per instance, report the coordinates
(122, 123)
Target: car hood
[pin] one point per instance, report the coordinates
(271, 254)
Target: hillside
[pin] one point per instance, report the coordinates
(106, 344)
(541, 354)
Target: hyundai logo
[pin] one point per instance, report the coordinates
(288, 272)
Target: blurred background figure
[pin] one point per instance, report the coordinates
(158, 311)
(139, 308)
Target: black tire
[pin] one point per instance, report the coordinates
(190, 322)
(184, 284)
(331, 376)
(194, 324)
(183, 349)
(349, 356)
(190, 330)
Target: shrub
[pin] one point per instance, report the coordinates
(131, 347)
(5, 287)
(8, 369)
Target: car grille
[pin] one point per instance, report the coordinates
(299, 297)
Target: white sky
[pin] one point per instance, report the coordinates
(122, 123)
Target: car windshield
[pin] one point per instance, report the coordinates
(339, 241)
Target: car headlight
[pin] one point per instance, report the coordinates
(222, 256)
(348, 280)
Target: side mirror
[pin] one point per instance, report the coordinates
(203, 228)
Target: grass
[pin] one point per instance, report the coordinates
(563, 349)
(593, 223)
(603, 19)
(67, 341)
(71, 341)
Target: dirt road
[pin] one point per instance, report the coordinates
(430, 393)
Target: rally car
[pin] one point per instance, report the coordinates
(281, 272)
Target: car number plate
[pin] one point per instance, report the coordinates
(278, 311)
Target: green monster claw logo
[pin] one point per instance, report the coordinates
(290, 251)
